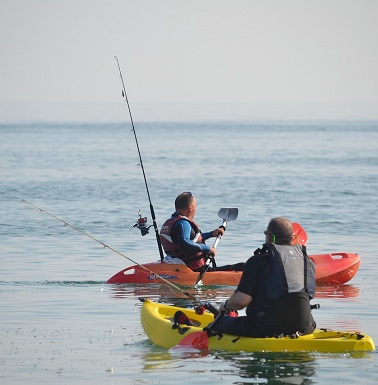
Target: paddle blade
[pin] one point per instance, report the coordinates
(228, 214)
(300, 235)
(196, 340)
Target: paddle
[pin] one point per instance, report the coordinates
(199, 340)
(228, 215)
(299, 234)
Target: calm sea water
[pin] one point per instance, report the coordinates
(60, 322)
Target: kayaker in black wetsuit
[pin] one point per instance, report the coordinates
(181, 237)
(277, 284)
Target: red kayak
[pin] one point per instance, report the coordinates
(334, 268)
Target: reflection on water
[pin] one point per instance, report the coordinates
(169, 294)
(242, 367)
(275, 368)
(182, 296)
(175, 294)
(338, 291)
(253, 367)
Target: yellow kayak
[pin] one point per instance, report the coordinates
(158, 323)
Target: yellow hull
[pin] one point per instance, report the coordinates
(157, 321)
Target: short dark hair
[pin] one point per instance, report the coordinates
(183, 200)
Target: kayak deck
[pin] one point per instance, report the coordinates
(333, 268)
(157, 322)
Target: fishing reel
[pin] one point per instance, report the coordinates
(142, 225)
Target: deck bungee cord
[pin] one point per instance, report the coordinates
(141, 226)
(201, 305)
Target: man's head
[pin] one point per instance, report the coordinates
(279, 231)
(186, 204)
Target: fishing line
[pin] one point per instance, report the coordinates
(124, 94)
(190, 296)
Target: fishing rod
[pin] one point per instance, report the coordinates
(208, 306)
(143, 228)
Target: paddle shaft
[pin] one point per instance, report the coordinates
(219, 236)
(216, 320)
(227, 214)
(208, 260)
(124, 94)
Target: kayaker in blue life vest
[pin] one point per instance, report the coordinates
(181, 237)
(276, 286)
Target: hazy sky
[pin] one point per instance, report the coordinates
(190, 51)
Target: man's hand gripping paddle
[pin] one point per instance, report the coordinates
(228, 215)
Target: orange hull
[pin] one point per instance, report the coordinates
(333, 268)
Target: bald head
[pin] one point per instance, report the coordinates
(282, 230)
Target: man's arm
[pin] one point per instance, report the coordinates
(182, 232)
